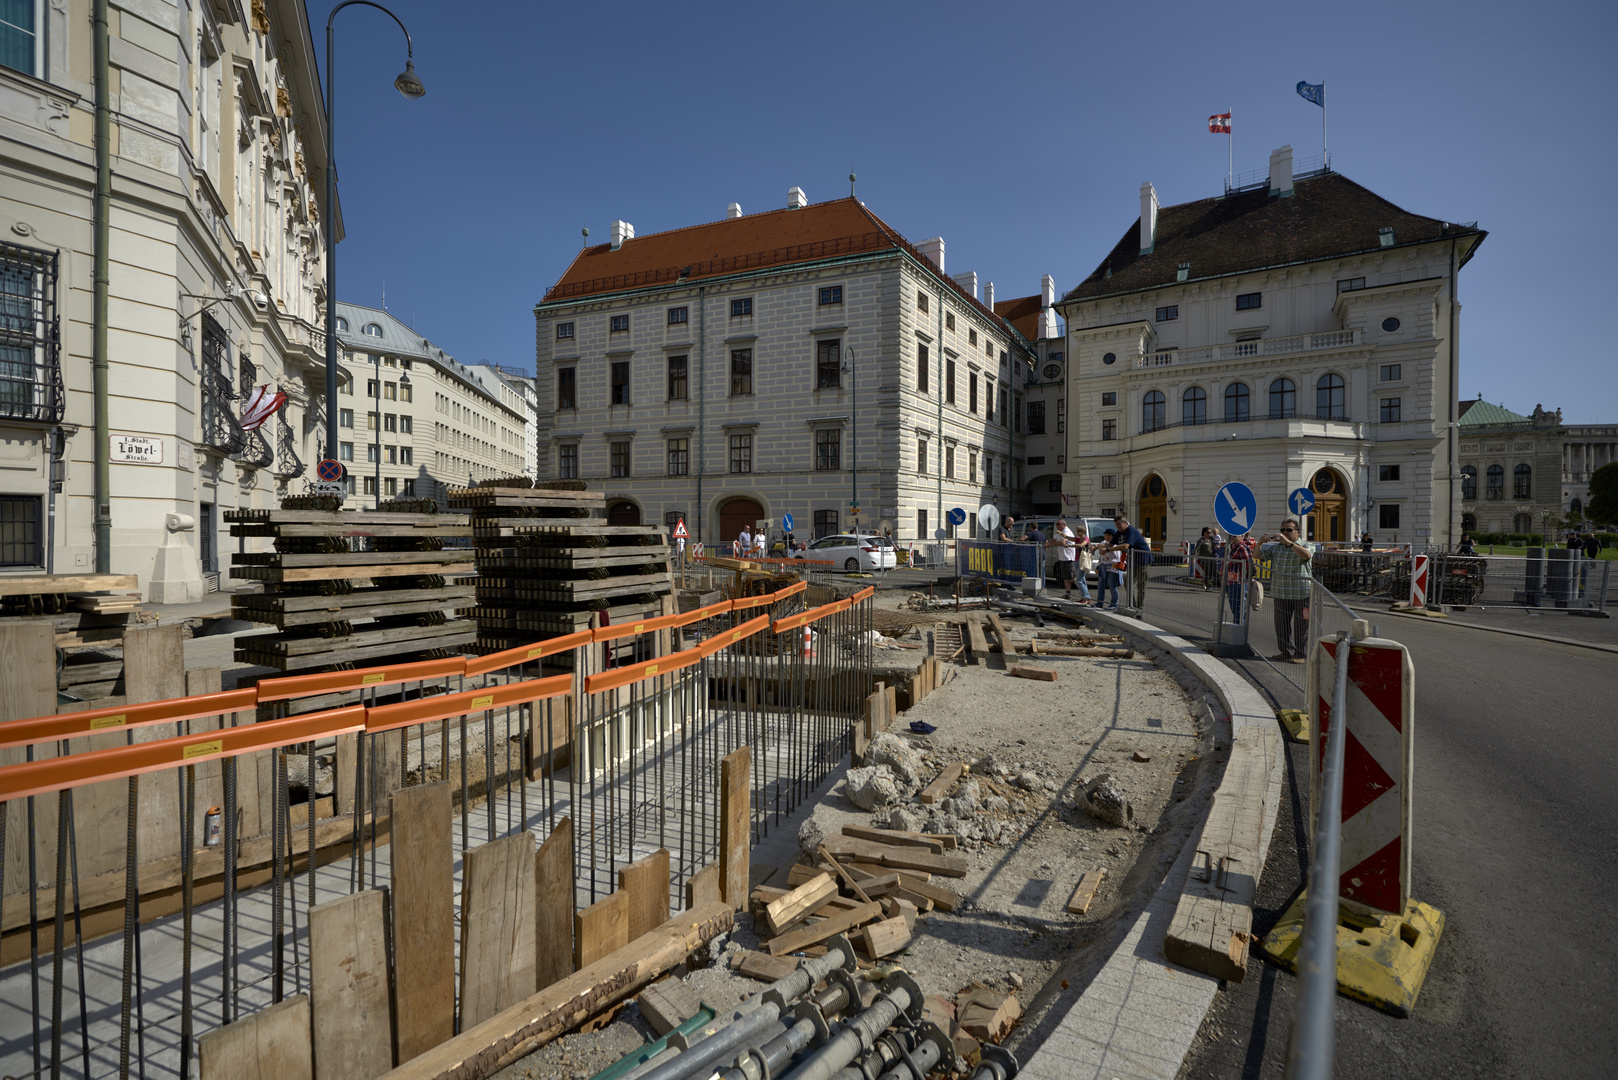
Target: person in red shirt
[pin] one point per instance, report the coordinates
(1238, 575)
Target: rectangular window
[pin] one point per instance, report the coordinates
(828, 447)
(409, 487)
(620, 324)
(1387, 472)
(828, 356)
(407, 456)
(972, 392)
(741, 372)
(347, 388)
(390, 391)
(921, 524)
(1391, 372)
(21, 541)
(741, 453)
(921, 456)
(345, 418)
(1037, 460)
(825, 523)
(1109, 481)
(370, 388)
(370, 485)
(390, 455)
(921, 368)
(1036, 418)
(921, 301)
(971, 335)
(971, 467)
(949, 320)
(831, 295)
(370, 421)
(620, 383)
(567, 388)
(567, 461)
(1109, 430)
(1061, 415)
(407, 392)
(741, 307)
(1110, 397)
(1249, 301)
(949, 462)
(1169, 313)
(564, 330)
(390, 486)
(619, 457)
(406, 425)
(390, 422)
(1003, 409)
(1350, 284)
(678, 390)
(949, 381)
(988, 395)
(345, 451)
(1016, 411)
(679, 457)
(1055, 484)
(679, 316)
(1390, 410)
(1388, 515)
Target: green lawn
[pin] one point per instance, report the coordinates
(1503, 549)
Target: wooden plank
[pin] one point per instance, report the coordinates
(937, 895)
(154, 670)
(1085, 893)
(646, 883)
(764, 967)
(976, 641)
(600, 929)
(942, 783)
(1000, 632)
(896, 858)
(45, 584)
(702, 887)
(798, 903)
(843, 875)
(27, 690)
(423, 917)
(735, 839)
(1022, 671)
(553, 906)
(271, 1044)
(815, 933)
(348, 987)
(497, 927)
(884, 938)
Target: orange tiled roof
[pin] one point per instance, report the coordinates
(771, 238)
(1023, 313)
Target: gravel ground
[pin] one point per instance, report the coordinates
(1026, 835)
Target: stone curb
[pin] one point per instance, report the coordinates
(1137, 1018)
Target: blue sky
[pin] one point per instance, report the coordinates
(1019, 132)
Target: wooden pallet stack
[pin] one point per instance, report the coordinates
(88, 614)
(547, 564)
(351, 590)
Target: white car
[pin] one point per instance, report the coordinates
(853, 552)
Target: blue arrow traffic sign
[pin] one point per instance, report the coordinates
(786, 522)
(1301, 501)
(957, 516)
(1235, 508)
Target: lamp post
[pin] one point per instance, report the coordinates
(410, 86)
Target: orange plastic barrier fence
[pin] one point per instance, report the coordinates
(630, 629)
(748, 602)
(731, 637)
(663, 665)
(698, 614)
(379, 718)
(293, 686)
(94, 721)
(524, 653)
(118, 762)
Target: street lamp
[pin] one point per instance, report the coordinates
(411, 87)
(853, 438)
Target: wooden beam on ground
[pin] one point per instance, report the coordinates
(896, 858)
(1022, 671)
(798, 903)
(842, 874)
(883, 938)
(764, 967)
(646, 884)
(423, 917)
(348, 987)
(1000, 632)
(941, 785)
(271, 1044)
(894, 836)
(600, 929)
(735, 836)
(976, 641)
(48, 584)
(824, 929)
(702, 887)
(497, 927)
(1085, 893)
(484, 1050)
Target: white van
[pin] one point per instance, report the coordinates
(1094, 527)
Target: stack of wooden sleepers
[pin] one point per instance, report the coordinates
(89, 614)
(868, 883)
(352, 590)
(547, 564)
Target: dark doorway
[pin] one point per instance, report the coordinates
(735, 514)
(623, 512)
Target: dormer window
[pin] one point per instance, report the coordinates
(373, 330)
(342, 323)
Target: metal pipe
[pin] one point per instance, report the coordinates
(103, 242)
(996, 1063)
(1311, 1049)
(860, 1033)
(764, 1061)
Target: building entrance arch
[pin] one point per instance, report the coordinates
(623, 512)
(735, 514)
(1328, 521)
(1154, 509)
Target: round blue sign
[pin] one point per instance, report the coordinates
(957, 516)
(1301, 501)
(786, 522)
(1236, 508)
(329, 471)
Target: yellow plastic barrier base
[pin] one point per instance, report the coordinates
(1381, 960)
(1296, 724)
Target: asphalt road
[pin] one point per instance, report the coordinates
(1515, 839)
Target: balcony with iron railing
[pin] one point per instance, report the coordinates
(1243, 350)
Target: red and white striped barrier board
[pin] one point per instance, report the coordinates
(1419, 576)
(1378, 764)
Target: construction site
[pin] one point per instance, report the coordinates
(503, 790)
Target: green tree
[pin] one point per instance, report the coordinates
(1603, 504)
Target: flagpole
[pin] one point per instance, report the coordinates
(1230, 154)
(1325, 155)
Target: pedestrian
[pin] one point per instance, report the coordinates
(1033, 535)
(1574, 543)
(1140, 558)
(1205, 558)
(1067, 559)
(1466, 547)
(1592, 546)
(1289, 589)
(744, 543)
(1111, 571)
(1239, 576)
(1008, 530)
(1366, 542)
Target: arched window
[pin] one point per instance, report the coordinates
(1578, 506)
(1329, 398)
(1152, 412)
(1522, 523)
(1522, 482)
(1283, 399)
(1194, 406)
(1236, 397)
(342, 323)
(1497, 482)
(1469, 481)
(373, 329)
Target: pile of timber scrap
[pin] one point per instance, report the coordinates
(88, 615)
(352, 590)
(547, 563)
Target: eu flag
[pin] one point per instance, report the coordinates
(1315, 92)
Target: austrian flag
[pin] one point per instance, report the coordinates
(1219, 123)
(261, 405)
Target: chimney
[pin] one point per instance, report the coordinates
(796, 199)
(988, 296)
(621, 231)
(934, 250)
(968, 280)
(1281, 171)
(1148, 218)
(1047, 291)
(1047, 312)
(734, 210)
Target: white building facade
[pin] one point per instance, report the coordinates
(1302, 334)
